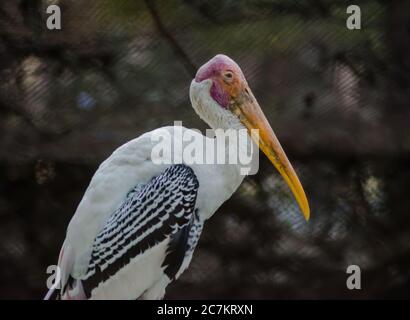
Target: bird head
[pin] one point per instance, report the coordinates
(221, 96)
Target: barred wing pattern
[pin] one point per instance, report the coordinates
(182, 246)
(163, 208)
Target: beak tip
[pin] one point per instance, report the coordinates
(306, 210)
(306, 213)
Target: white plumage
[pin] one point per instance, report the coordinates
(130, 165)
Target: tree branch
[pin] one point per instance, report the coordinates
(178, 50)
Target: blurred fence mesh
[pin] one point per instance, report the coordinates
(337, 99)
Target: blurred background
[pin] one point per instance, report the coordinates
(338, 99)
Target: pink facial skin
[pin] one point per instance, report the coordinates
(213, 70)
(219, 95)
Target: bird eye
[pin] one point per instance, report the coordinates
(228, 75)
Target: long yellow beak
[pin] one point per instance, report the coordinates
(251, 115)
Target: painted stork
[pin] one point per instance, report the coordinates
(138, 224)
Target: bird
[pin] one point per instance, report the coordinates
(137, 226)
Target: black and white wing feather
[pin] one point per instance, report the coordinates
(163, 209)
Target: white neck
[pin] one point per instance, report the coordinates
(209, 110)
(218, 117)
